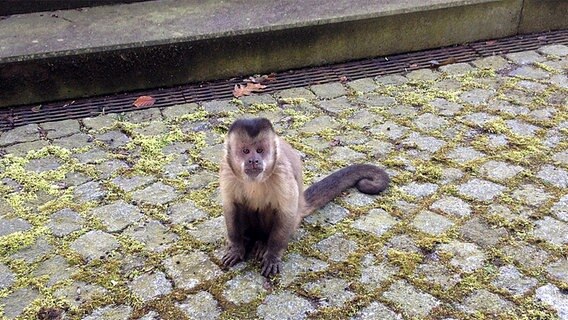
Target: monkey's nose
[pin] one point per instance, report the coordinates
(253, 161)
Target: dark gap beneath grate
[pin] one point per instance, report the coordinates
(222, 89)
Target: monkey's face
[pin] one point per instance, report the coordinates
(251, 149)
(253, 158)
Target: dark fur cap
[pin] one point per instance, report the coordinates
(252, 126)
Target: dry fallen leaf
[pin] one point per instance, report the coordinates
(244, 90)
(36, 108)
(144, 101)
(343, 79)
(490, 42)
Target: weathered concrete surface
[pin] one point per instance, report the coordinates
(474, 224)
(74, 53)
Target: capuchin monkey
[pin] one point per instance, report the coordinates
(263, 195)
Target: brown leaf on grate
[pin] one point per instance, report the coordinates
(144, 101)
(343, 79)
(244, 90)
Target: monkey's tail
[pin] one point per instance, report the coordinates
(367, 178)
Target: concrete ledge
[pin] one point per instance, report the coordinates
(165, 43)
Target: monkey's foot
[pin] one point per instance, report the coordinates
(259, 250)
(233, 255)
(271, 265)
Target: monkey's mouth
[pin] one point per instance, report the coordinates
(253, 172)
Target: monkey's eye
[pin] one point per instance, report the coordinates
(246, 151)
(259, 150)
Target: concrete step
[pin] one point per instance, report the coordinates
(76, 53)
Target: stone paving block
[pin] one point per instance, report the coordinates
(112, 312)
(284, 305)
(377, 222)
(559, 80)
(25, 133)
(365, 118)
(557, 177)
(7, 277)
(43, 164)
(465, 154)
(373, 276)
(153, 129)
(187, 270)
(476, 97)
(389, 129)
(92, 156)
(425, 143)
(34, 252)
(456, 68)
(244, 288)
(480, 118)
(117, 215)
(179, 110)
(359, 199)
(364, 85)
(79, 292)
(492, 62)
(185, 212)
(58, 129)
(150, 286)
(75, 141)
(525, 57)
(413, 302)
(157, 194)
(522, 128)
(529, 72)
(219, 106)
(332, 292)
(431, 223)
(95, 245)
(22, 149)
(336, 105)
(377, 100)
(452, 205)
(330, 214)
(445, 107)
(293, 265)
(428, 122)
(140, 116)
(481, 190)
(486, 302)
(211, 231)
(376, 310)
(201, 305)
(113, 139)
(329, 90)
(559, 270)
(392, 79)
(90, 191)
(109, 168)
(465, 256)
(499, 170)
(16, 302)
(479, 231)
(553, 297)
(511, 280)
(420, 190)
(438, 274)
(346, 154)
(129, 184)
(560, 208)
(12, 225)
(531, 195)
(100, 122)
(551, 230)
(337, 247)
(527, 255)
(558, 50)
(56, 269)
(295, 93)
(153, 234)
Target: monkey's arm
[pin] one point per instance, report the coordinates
(235, 233)
(283, 228)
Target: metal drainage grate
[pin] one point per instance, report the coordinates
(222, 89)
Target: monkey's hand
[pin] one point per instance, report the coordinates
(259, 250)
(233, 255)
(271, 264)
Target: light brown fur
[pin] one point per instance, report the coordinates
(263, 209)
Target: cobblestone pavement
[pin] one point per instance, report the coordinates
(119, 216)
